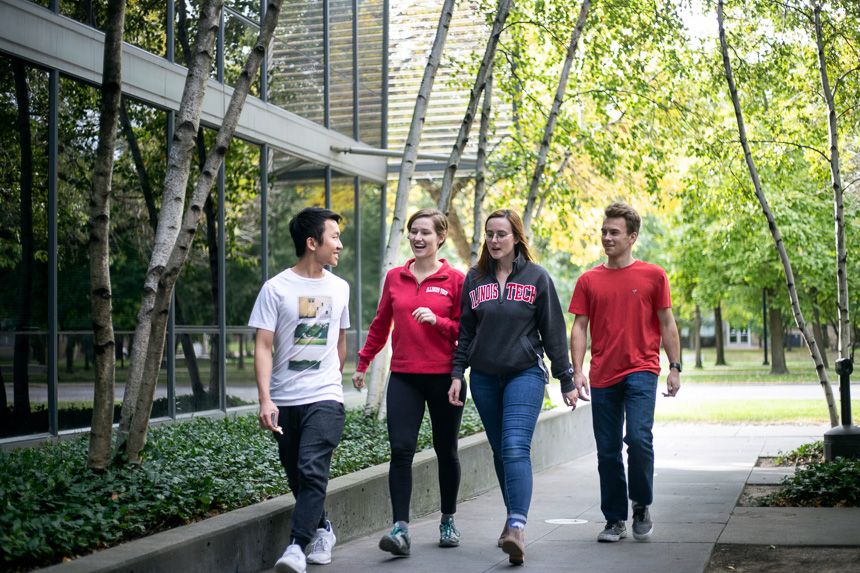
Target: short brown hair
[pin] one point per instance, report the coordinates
(440, 221)
(522, 246)
(626, 212)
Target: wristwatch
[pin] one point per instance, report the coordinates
(676, 366)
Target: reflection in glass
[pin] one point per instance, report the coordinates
(296, 66)
(23, 248)
(250, 9)
(244, 271)
(343, 202)
(239, 40)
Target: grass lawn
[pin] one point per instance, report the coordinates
(745, 366)
(747, 411)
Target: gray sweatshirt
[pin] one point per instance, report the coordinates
(506, 330)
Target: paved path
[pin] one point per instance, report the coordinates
(700, 472)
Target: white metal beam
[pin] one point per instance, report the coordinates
(34, 33)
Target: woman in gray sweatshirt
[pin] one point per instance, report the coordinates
(510, 316)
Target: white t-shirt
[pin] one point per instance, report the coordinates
(306, 316)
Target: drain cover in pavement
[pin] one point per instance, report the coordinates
(565, 521)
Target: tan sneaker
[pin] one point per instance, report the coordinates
(503, 534)
(514, 544)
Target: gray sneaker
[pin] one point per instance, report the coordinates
(642, 525)
(396, 542)
(614, 531)
(448, 534)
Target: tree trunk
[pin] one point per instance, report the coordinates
(376, 380)
(774, 230)
(777, 342)
(502, 11)
(136, 406)
(553, 117)
(719, 339)
(104, 344)
(190, 220)
(212, 247)
(21, 354)
(697, 336)
(70, 354)
(480, 172)
(188, 351)
(844, 333)
(818, 333)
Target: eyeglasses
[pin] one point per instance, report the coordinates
(500, 235)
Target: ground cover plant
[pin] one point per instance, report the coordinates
(53, 507)
(816, 483)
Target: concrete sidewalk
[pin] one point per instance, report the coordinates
(700, 472)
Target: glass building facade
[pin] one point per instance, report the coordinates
(322, 84)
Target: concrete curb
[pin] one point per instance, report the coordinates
(252, 538)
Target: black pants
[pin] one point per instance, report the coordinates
(311, 433)
(407, 394)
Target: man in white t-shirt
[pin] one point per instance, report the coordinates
(303, 313)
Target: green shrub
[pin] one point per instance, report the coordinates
(803, 455)
(54, 507)
(826, 484)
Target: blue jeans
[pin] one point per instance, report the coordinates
(633, 397)
(509, 406)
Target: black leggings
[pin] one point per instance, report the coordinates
(407, 394)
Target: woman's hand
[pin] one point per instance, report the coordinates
(424, 314)
(454, 392)
(358, 380)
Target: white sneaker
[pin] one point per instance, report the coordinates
(292, 561)
(319, 549)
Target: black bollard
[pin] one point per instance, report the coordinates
(843, 441)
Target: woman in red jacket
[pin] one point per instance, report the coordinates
(422, 299)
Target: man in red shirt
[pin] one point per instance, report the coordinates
(629, 307)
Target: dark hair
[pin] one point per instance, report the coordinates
(440, 221)
(626, 212)
(484, 264)
(309, 223)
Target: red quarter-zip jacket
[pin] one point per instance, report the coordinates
(416, 348)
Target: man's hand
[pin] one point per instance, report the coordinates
(269, 417)
(581, 383)
(673, 383)
(454, 392)
(570, 398)
(358, 380)
(424, 314)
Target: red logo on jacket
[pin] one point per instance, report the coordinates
(483, 293)
(525, 293)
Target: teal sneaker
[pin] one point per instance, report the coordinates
(448, 534)
(396, 542)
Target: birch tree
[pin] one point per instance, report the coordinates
(484, 70)
(99, 237)
(379, 367)
(183, 225)
(774, 229)
(534, 188)
(844, 344)
(480, 174)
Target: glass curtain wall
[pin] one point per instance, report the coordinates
(209, 352)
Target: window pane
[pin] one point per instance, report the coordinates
(296, 67)
(343, 202)
(244, 269)
(370, 52)
(23, 248)
(145, 20)
(250, 9)
(238, 41)
(196, 295)
(341, 69)
(371, 194)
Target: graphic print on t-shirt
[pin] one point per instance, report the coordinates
(312, 331)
